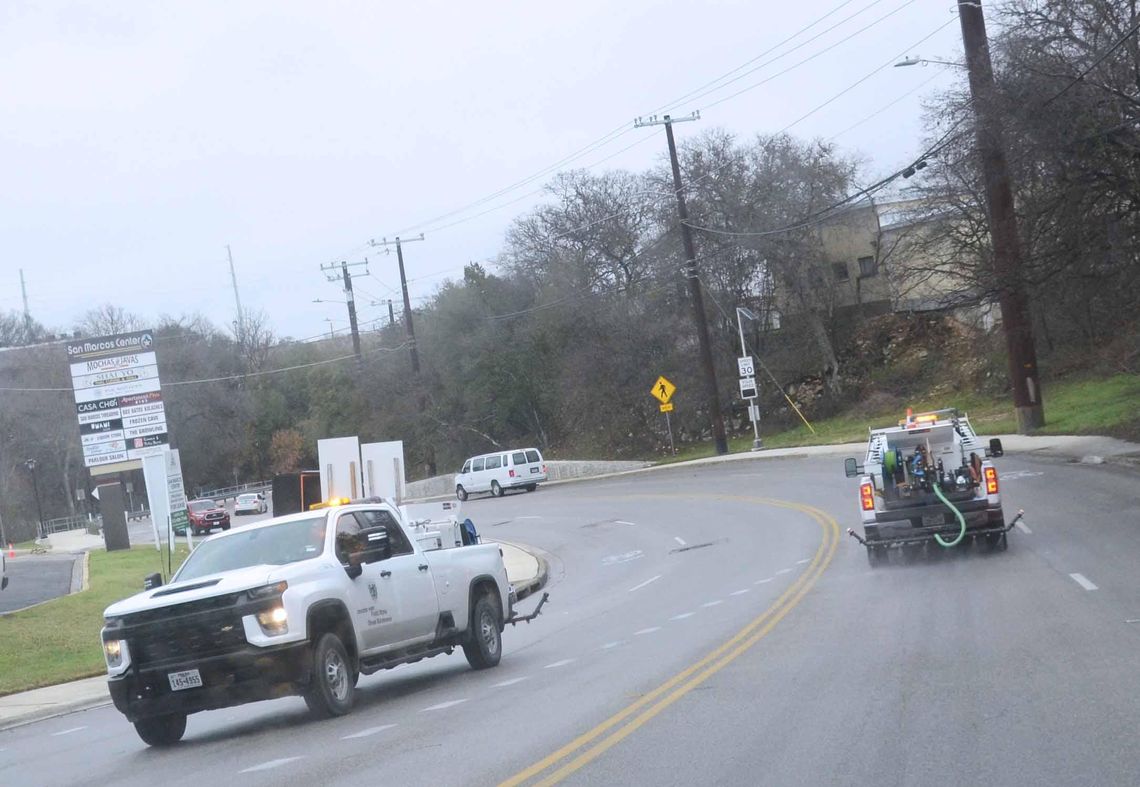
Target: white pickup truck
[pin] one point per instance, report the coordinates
(301, 604)
(928, 480)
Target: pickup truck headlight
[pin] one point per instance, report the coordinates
(268, 591)
(274, 621)
(113, 652)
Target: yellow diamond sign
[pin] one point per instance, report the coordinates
(663, 390)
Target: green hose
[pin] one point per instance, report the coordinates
(957, 513)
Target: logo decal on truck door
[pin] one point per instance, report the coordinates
(372, 590)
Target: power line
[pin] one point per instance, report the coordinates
(799, 63)
(623, 129)
(1108, 53)
(230, 377)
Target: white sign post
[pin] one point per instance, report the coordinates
(176, 496)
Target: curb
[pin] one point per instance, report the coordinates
(55, 711)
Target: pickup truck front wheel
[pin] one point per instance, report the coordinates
(333, 685)
(484, 645)
(161, 730)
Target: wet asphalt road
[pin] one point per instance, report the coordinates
(710, 626)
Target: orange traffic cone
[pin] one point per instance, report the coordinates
(11, 550)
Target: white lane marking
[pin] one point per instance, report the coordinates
(528, 517)
(783, 571)
(265, 766)
(510, 682)
(1133, 620)
(624, 557)
(683, 615)
(762, 581)
(1024, 528)
(739, 592)
(68, 732)
(805, 560)
(623, 522)
(367, 732)
(444, 705)
(649, 630)
(712, 603)
(557, 664)
(679, 540)
(1083, 581)
(646, 582)
(609, 645)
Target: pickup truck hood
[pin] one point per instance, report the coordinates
(195, 589)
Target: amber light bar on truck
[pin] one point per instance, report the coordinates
(867, 496)
(332, 502)
(991, 481)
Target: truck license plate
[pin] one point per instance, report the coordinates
(929, 520)
(187, 679)
(534, 469)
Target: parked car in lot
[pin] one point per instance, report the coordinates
(518, 468)
(251, 503)
(205, 515)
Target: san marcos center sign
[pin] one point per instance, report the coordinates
(118, 397)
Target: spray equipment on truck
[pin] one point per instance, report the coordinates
(928, 479)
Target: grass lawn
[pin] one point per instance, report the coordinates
(59, 641)
(1105, 406)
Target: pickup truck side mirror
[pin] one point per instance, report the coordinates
(995, 448)
(851, 467)
(152, 581)
(369, 546)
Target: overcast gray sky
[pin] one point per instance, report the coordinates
(138, 139)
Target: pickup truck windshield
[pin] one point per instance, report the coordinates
(274, 545)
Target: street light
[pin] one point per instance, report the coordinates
(753, 409)
(31, 465)
(923, 61)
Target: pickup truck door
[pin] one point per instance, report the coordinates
(374, 615)
(405, 585)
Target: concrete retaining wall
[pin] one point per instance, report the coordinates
(444, 485)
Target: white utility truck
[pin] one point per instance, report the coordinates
(928, 480)
(303, 604)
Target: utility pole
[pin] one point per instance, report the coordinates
(27, 311)
(1013, 299)
(237, 298)
(391, 314)
(421, 397)
(384, 242)
(694, 282)
(346, 277)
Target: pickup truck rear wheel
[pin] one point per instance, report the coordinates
(333, 686)
(484, 645)
(161, 730)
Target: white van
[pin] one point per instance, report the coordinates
(518, 468)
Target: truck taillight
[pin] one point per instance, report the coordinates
(991, 481)
(867, 497)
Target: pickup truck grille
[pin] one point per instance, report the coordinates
(183, 632)
(183, 639)
(215, 516)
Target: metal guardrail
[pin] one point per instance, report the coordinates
(64, 523)
(227, 492)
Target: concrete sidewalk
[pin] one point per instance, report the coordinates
(526, 571)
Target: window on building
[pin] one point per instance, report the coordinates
(868, 266)
(840, 270)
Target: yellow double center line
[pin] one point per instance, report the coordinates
(592, 744)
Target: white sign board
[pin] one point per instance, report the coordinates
(383, 465)
(745, 366)
(118, 397)
(339, 460)
(747, 387)
(176, 493)
(157, 497)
